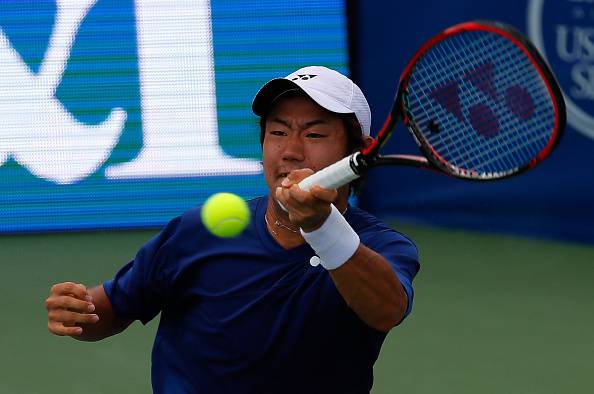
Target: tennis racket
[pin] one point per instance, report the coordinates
(479, 101)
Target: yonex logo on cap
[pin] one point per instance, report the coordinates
(303, 77)
(330, 89)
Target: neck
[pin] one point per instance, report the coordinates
(280, 227)
(277, 213)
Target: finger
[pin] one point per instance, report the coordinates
(78, 290)
(282, 195)
(62, 330)
(63, 316)
(301, 196)
(295, 201)
(318, 200)
(304, 204)
(70, 303)
(296, 176)
(327, 195)
(289, 204)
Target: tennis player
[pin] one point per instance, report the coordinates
(300, 302)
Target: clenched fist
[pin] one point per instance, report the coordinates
(68, 306)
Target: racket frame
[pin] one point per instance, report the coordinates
(432, 159)
(355, 165)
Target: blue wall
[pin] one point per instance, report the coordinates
(253, 41)
(555, 199)
(194, 114)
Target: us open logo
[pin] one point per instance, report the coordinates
(563, 31)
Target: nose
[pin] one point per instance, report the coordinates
(294, 149)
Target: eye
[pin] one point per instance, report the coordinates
(315, 135)
(278, 132)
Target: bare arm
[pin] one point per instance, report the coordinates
(371, 289)
(84, 314)
(366, 281)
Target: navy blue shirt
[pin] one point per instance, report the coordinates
(244, 315)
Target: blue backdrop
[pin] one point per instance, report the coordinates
(113, 114)
(555, 199)
(126, 113)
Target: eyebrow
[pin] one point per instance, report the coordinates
(304, 126)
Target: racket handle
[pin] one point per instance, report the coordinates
(333, 176)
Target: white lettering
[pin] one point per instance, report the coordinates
(577, 117)
(586, 43)
(37, 131)
(178, 97)
(575, 44)
(563, 45)
(583, 78)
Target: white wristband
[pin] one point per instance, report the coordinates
(335, 242)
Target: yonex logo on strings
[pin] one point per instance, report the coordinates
(303, 77)
(481, 117)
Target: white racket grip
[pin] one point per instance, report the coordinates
(333, 176)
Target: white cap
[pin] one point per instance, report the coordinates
(330, 89)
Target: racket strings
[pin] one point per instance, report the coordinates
(479, 122)
(490, 103)
(484, 119)
(505, 154)
(461, 156)
(439, 61)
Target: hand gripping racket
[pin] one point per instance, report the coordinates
(479, 101)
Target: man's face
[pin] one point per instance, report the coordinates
(300, 134)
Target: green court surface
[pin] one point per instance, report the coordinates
(492, 315)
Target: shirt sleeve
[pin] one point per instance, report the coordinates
(139, 288)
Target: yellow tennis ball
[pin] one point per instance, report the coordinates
(225, 215)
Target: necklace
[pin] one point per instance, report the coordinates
(278, 223)
(270, 227)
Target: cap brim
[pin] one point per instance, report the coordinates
(269, 92)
